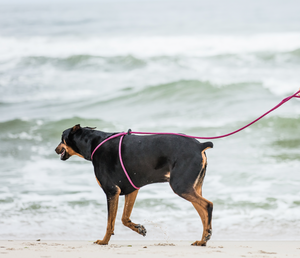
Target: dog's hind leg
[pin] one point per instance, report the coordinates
(128, 206)
(204, 209)
(206, 215)
(193, 192)
(112, 207)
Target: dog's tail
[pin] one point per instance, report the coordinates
(206, 145)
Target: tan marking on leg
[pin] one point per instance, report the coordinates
(204, 218)
(167, 176)
(204, 157)
(128, 206)
(98, 182)
(111, 218)
(198, 188)
(201, 205)
(199, 181)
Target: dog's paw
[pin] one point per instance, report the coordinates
(208, 236)
(199, 243)
(101, 242)
(141, 229)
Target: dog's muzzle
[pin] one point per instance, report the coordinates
(60, 150)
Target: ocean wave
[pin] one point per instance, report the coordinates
(280, 58)
(88, 62)
(132, 62)
(290, 125)
(295, 52)
(185, 91)
(181, 104)
(261, 58)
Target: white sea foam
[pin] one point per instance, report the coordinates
(202, 45)
(24, 136)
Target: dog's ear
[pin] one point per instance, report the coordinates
(75, 128)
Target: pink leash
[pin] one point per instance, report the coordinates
(296, 95)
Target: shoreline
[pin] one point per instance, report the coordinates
(222, 249)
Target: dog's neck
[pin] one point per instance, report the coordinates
(88, 141)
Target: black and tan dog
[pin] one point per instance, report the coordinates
(179, 160)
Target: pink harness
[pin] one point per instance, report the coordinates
(120, 155)
(296, 95)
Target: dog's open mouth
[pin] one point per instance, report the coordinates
(63, 153)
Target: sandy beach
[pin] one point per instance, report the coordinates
(47, 249)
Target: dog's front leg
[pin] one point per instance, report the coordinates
(128, 206)
(112, 207)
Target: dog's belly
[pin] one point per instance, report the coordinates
(153, 171)
(155, 177)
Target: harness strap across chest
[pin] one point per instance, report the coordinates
(120, 155)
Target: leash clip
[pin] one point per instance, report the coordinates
(129, 132)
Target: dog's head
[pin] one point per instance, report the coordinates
(68, 146)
